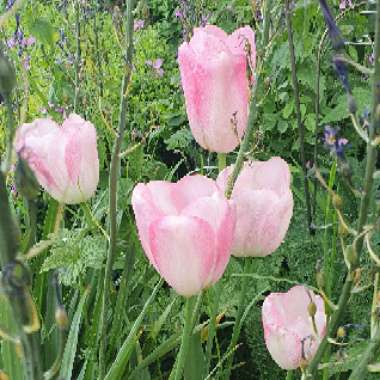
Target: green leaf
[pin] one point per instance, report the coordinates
(72, 342)
(122, 358)
(11, 362)
(44, 31)
(195, 367)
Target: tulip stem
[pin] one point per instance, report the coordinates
(185, 343)
(78, 54)
(362, 220)
(289, 375)
(239, 315)
(213, 297)
(301, 127)
(113, 182)
(252, 108)
(222, 160)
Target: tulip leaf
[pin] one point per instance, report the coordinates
(11, 362)
(195, 365)
(72, 342)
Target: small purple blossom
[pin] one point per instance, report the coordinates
(343, 4)
(138, 25)
(26, 62)
(333, 142)
(156, 65)
(178, 13)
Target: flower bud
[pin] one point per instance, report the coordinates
(341, 332)
(350, 256)
(312, 309)
(61, 318)
(337, 201)
(3, 376)
(7, 76)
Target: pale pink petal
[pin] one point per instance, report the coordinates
(184, 250)
(284, 347)
(146, 211)
(220, 215)
(242, 41)
(190, 188)
(286, 321)
(216, 90)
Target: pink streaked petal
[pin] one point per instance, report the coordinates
(184, 249)
(220, 214)
(146, 212)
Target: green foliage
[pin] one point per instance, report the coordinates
(74, 253)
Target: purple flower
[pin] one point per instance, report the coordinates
(156, 65)
(26, 62)
(29, 41)
(333, 142)
(138, 25)
(11, 43)
(178, 14)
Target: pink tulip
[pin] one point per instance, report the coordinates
(264, 206)
(213, 70)
(63, 158)
(186, 230)
(288, 327)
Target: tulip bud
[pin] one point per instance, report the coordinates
(293, 345)
(213, 68)
(7, 76)
(264, 206)
(64, 158)
(186, 230)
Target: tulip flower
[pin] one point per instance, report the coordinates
(290, 334)
(264, 206)
(186, 230)
(64, 158)
(213, 68)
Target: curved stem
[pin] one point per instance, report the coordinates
(113, 183)
(301, 127)
(364, 205)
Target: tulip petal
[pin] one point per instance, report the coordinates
(184, 250)
(219, 214)
(192, 187)
(239, 40)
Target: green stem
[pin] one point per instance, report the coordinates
(252, 108)
(301, 127)
(364, 204)
(289, 375)
(369, 355)
(78, 54)
(187, 330)
(222, 159)
(214, 296)
(113, 183)
(240, 311)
